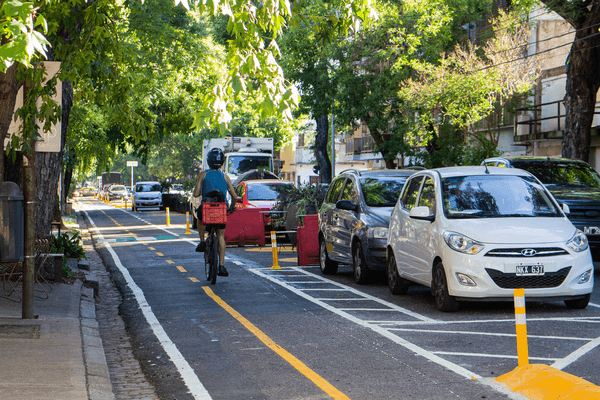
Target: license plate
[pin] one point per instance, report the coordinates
(527, 270)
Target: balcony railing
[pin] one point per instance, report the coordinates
(541, 121)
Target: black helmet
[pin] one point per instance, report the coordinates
(215, 158)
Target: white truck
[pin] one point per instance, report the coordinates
(241, 154)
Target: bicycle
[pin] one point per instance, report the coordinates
(214, 216)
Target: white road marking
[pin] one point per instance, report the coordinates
(594, 305)
(197, 390)
(489, 334)
(560, 364)
(450, 353)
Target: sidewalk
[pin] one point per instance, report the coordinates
(59, 355)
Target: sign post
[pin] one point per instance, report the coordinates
(132, 164)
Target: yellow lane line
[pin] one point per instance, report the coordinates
(193, 279)
(293, 361)
(170, 262)
(160, 254)
(151, 248)
(180, 268)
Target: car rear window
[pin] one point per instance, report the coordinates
(265, 191)
(148, 188)
(562, 173)
(382, 192)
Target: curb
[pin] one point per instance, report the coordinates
(99, 386)
(540, 382)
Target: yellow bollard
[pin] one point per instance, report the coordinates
(521, 326)
(168, 217)
(187, 222)
(274, 248)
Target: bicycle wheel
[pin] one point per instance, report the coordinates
(208, 262)
(214, 249)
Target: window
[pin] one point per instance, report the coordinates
(409, 197)
(427, 198)
(382, 192)
(334, 191)
(349, 192)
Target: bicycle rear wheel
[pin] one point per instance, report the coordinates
(211, 257)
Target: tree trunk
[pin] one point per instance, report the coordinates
(9, 87)
(582, 86)
(321, 149)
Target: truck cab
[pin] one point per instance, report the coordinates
(242, 154)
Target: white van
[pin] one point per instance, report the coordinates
(148, 195)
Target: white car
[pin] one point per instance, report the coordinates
(148, 195)
(478, 233)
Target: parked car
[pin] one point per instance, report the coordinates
(354, 219)
(117, 192)
(571, 182)
(261, 194)
(87, 191)
(147, 195)
(475, 233)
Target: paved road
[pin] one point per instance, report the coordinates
(293, 333)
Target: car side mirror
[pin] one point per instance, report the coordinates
(565, 208)
(346, 205)
(422, 213)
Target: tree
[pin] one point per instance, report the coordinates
(583, 80)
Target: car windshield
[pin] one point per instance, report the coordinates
(563, 173)
(265, 191)
(117, 188)
(382, 191)
(148, 188)
(240, 164)
(496, 196)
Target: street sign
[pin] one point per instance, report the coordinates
(132, 163)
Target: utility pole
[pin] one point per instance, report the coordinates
(29, 248)
(332, 146)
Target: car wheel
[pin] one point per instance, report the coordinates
(328, 267)
(578, 304)
(361, 271)
(443, 300)
(396, 284)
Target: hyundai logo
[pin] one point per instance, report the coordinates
(528, 252)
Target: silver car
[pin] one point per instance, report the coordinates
(354, 220)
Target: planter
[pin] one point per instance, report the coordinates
(308, 240)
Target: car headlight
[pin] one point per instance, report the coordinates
(462, 243)
(378, 233)
(579, 242)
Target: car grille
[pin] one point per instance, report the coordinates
(584, 212)
(512, 281)
(517, 252)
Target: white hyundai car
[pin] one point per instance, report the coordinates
(478, 233)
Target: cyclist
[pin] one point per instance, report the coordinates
(209, 181)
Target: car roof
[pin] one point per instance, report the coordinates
(148, 183)
(535, 159)
(267, 181)
(478, 170)
(380, 172)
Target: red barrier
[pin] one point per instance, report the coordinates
(308, 241)
(245, 226)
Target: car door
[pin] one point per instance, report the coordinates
(344, 222)
(425, 233)
(404, 233)
(326, 221)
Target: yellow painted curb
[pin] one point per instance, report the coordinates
(539, 381)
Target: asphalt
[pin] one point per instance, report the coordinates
(60, 354)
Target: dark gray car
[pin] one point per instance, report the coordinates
(571, 182)
(354, 219)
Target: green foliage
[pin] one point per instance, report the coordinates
(69, 244)
(307, 198)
